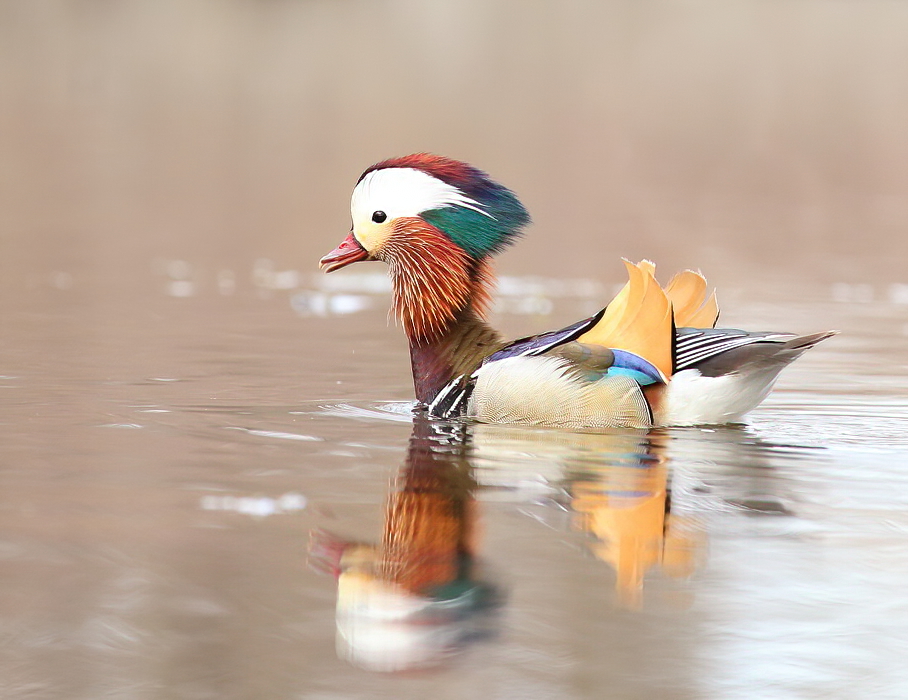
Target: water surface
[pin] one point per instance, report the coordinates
(166, 460)
(208, 464)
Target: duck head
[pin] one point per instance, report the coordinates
(436, 222)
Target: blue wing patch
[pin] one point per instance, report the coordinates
(635, 367)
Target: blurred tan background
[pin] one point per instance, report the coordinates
(752, 139)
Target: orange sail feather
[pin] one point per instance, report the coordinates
(638, 320)
(687, 293)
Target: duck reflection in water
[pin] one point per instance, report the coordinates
(616, 486)
(418, 597)
(627, 508)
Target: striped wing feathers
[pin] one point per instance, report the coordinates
(696, 346)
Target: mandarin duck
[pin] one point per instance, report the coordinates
(652, 357)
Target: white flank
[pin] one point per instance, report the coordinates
(692, 399)
(404, 192)
(544, 391)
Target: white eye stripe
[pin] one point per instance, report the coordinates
(405, 192)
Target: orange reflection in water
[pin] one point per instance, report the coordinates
(626, 506)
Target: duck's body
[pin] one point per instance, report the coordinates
(652, 357)
(553, 388)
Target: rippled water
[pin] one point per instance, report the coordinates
(192, 474)
(208, 464)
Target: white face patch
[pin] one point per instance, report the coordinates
(399, 192)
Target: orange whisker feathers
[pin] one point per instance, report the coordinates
(433, 279)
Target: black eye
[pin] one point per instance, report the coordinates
(379, 216)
